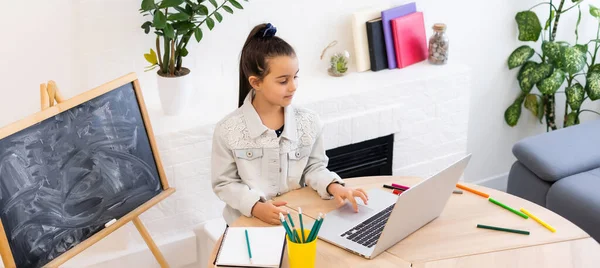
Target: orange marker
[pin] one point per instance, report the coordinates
(472, 190)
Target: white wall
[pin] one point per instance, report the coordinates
(82, 44)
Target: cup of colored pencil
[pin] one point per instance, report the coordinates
(302, 243)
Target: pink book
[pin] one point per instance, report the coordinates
(409, 39)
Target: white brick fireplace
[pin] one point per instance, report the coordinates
(425, 106)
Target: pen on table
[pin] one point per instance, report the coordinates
(401, 187)
(248, 245)
(393, 187)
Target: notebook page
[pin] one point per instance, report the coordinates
(266, 244)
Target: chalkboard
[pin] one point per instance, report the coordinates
(63, 178)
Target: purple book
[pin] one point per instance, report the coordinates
(386, 16)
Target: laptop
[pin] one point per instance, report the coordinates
(389, 218)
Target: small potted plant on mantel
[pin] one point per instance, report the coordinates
(175, 22)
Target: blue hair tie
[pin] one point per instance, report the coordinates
(268, 31)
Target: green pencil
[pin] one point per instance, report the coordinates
(313, 230)
(287, 228)
(508, 208)
(502, 229)
(301, 225)
(248, 245)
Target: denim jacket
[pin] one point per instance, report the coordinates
(250, 163)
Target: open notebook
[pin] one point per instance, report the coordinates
(267, 245)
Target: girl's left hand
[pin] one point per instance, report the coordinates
(341, 193)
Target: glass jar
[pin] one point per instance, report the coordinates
(438, 45)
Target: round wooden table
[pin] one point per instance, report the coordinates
(452, 240)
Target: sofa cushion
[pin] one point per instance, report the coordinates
(577, 198)
(561, 153)
(525, 184)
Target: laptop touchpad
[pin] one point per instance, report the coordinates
(347, 212)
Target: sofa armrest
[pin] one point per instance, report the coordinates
(561, 153)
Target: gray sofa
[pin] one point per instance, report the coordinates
(560, 170)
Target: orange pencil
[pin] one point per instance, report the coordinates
(472, 190)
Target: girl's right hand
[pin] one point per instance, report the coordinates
(269, 211)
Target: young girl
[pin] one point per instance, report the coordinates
(266, 147)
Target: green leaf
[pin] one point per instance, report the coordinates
(198, 34)
(549, 19)
(529, 26)
(513, 112)
(182, 27)
(551, 84)
(170, 3)
(214, 3)
(184, 52)
(524, 77)
(592, 85)
(519, 56)
(210, 23)
(228, 9)
(531, 73)
(148, 5)
(169, 32)
(571, 119)
(573, 60)
(541, 71)
(151, 57)
(531, 104)
(146, 26)
(582, 48)
(178, 17)
(541, 109)
(203, 10)
(575, 94)
(595, 11)
(160, 21)
(218, 16)
(236, 4)
(554, 50)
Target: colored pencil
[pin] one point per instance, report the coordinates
(508, 208)
(287, 228)
(472, 190)
(502, 229)
(248, 245)
(538, 220)
(301, 224)
(313, 230)
(318, 227)
(457, 192)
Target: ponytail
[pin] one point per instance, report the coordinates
(260, 46)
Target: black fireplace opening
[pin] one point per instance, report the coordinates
(368, 158)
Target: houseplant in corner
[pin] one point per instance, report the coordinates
(557, 62)
(175, 22)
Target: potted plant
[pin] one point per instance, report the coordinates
(175, 22)
(555, 63)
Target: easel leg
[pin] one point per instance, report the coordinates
(155, 251)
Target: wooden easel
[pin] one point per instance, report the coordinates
(50, 93)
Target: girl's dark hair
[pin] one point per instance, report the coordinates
(261, 45)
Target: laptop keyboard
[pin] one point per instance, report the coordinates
(367, 233)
